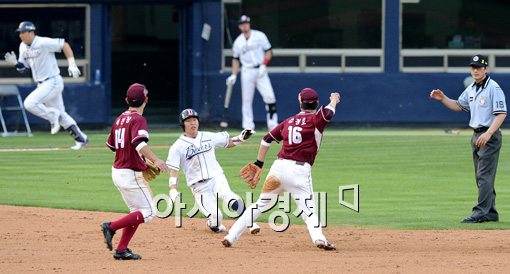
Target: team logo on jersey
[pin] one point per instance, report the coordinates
(192, 150)
(32, 53)
(482, 101)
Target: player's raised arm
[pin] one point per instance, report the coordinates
(439, 95)
(239, 139)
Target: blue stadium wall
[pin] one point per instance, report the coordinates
(389, 97)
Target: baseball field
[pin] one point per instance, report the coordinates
(415, 186)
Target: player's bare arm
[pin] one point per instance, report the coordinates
(439, 95)
(334, 99)
(231, 80)
(147, 153)
(496, 124)
(235, 66)
(239, 139)
(73, 69)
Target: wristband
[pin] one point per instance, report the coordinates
(172, 181)
(259, 163)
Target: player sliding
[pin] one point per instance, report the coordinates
(301, 136)
(194, 152)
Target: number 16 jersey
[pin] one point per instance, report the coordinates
(301, 134)
(128, 130)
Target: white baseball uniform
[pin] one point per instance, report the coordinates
(204, 175)
(250, 52)
(46, 100)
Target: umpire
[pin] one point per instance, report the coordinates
(485, 101)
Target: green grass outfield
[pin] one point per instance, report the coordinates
(409, 179)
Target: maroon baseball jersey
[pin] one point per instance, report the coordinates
(301, 134)
(128, 130)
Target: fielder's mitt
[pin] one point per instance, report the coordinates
(151, 172)
(251, 174)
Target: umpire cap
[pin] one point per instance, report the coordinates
(188, 113)
(25, 26)
(478, 61)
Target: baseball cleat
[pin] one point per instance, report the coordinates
(126, 254)
(323, 244)
(255, 229)
(108, 235)
(55, 125)
(80, 145)
(218, 229)
(226, 242)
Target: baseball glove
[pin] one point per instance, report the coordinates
(151, 172)
(251, 174)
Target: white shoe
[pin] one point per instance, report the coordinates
(80, 145)
(55, 125)
(255, 229)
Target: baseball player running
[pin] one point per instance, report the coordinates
(301, 136)
(128, 139)
(194, 152)
(485, 101)
(38, 54)
(252, 50)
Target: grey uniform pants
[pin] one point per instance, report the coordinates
(485, 160)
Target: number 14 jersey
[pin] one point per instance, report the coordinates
(128, 130)
(301, 134)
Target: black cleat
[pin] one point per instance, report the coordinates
(469, 220)
(108, 235)
(126, 254)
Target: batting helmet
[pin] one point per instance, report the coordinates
(25, 26)
(187, 113)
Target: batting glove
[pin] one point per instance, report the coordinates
(231, 80)
(73, 70)
(262, 71)
(10, 57)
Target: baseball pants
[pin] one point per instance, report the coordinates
(135, 192)
(284, 176)
(206, 195)
(485, 160)
(46, 99)
(250, 81)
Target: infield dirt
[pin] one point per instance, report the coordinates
(70, 241)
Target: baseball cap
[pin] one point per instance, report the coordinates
(478, 61)
(308, 95)
(25, 26)
(244, 19)
(136, 93)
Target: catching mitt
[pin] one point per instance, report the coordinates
(151, 172)
(251, 174)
